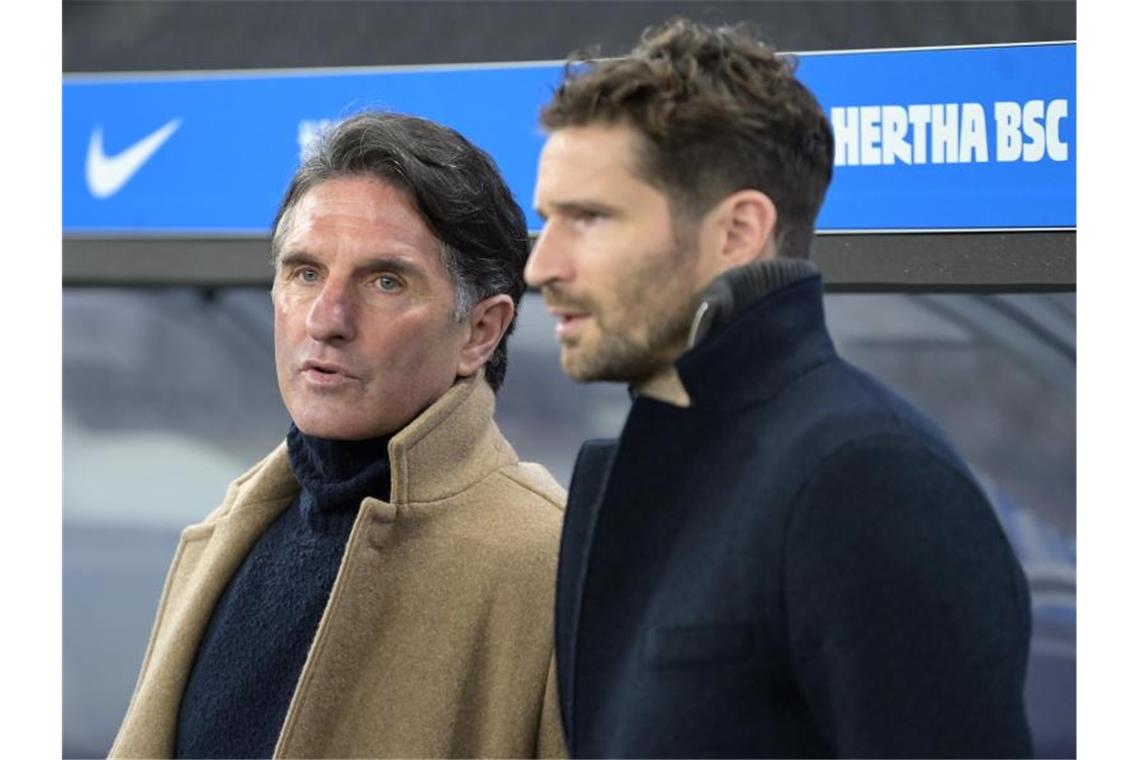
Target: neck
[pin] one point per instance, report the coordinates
(721, 302)
(665, 386)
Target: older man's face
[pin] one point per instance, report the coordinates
(364, 332)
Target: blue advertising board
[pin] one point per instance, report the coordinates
(926, 139)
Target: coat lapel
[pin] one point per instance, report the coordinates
(207, 557)
(587, 489)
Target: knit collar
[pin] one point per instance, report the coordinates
(336, 475)
(451, 446)
(775, 337)
(730, 294)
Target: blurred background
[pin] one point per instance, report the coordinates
(168, 376)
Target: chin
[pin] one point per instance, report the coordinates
(628, 366)
(582, 370)
(336, 430)
(576, 370)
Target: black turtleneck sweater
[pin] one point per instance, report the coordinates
(251, 655)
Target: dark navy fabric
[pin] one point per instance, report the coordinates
(798, 565)
(253, 650)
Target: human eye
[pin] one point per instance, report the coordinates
(388, 283)
(585, 216)
(299, 274)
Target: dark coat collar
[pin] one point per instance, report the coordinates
(779, 336)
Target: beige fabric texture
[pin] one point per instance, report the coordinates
(437, 640)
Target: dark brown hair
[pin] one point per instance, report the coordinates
(720, 112)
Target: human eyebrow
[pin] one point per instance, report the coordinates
(578, 207)
(393, 264)
(294, 259)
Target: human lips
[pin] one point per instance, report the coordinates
(570, 321)
(326, 373)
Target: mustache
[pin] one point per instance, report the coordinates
(556, 297)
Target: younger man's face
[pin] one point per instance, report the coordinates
(608, 261)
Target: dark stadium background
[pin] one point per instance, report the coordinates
(169, 388)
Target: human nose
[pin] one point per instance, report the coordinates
(331, 314)
(549, 259)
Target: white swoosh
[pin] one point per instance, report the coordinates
(106, 175)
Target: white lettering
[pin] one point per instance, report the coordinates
(845, 127)
(973, 140)
(949, 133)
(1007, 121)
(869, 132)
(894, 135)
(944, 133)
(919, 121)
(309, 130)
(1031, 117)
(1058, 109)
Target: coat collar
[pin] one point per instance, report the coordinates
(781, 335)
(450, 446)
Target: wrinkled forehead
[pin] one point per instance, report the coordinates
(358, 207)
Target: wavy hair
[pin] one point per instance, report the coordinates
(719, 111)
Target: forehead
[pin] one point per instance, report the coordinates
(597, 159)
(361, 211)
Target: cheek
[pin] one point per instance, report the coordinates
(642, 294)
(626, 254)
(290, 311)
(411, 341)
(288, 329)
(285, 301)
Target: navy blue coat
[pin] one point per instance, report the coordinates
(798, 565)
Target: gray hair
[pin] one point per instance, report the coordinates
(455, 187)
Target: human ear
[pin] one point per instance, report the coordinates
(747, 222)
(488, 320)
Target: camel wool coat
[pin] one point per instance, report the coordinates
(437, 639)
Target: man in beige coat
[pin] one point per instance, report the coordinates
(382, 583)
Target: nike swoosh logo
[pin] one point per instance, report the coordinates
(106, 175)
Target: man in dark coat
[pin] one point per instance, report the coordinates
(778, 557)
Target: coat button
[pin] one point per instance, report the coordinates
(382, 512)
(379, 532)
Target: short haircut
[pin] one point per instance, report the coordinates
(455, 187)
(719, 112)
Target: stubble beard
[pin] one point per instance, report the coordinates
(631, 353)
(618, 357)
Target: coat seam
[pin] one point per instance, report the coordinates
(446, 497)
(509, 476)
